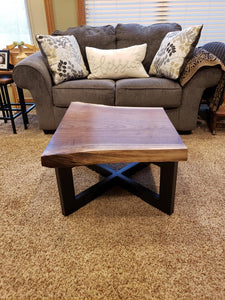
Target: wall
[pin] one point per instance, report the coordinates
(36, 12)
(64, 14)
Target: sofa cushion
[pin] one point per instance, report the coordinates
(63, 57)
(157, 92)
(136, 34)
(98, 37)
(174, 52)
(89, 91)
(117, 63)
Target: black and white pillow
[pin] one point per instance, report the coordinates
(64, 57)
(174, 51)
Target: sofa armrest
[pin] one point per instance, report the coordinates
(192, 94)
(30, 67)
(32, 74)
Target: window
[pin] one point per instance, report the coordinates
(14, 23)
(99, 12)
(209, 13)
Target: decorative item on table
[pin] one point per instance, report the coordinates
(4, 60)
(19, 51)
(20, 45)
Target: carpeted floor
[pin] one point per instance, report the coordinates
(116, 247)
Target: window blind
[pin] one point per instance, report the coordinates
(209, 13)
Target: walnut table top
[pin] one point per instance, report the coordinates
(92, 134)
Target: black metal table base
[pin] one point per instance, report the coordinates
(163, 201)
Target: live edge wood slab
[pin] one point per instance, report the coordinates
(93, 135)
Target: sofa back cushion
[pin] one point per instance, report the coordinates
(98, 37)
(134, 34)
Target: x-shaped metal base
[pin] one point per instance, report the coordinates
(163, 201)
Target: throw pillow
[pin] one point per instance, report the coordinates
(201, 58)
(63, 56)
(174, 51)
(118, 63)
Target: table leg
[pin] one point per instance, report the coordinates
(66, 190)
(23, 106)
(9, 108)
(2, 108)
(168, 178)
(213, 121)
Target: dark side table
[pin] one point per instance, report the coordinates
(11, 110)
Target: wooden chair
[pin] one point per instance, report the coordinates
(217, 116)
(218, 113)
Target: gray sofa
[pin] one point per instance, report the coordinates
(180, 103)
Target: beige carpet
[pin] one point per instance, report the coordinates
(116, 247)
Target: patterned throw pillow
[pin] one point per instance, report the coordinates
(63, 56)
(117, 63)
(174, 51)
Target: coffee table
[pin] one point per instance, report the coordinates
(94, 135)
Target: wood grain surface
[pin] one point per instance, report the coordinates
(93, 134)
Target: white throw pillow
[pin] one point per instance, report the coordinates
(117, 63)
(174, 50)
(63, 56)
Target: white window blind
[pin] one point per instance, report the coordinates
(209, 13)
(14, 23)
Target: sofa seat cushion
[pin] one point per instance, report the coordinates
(156, 92)
(84, 90)
(135, 34)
